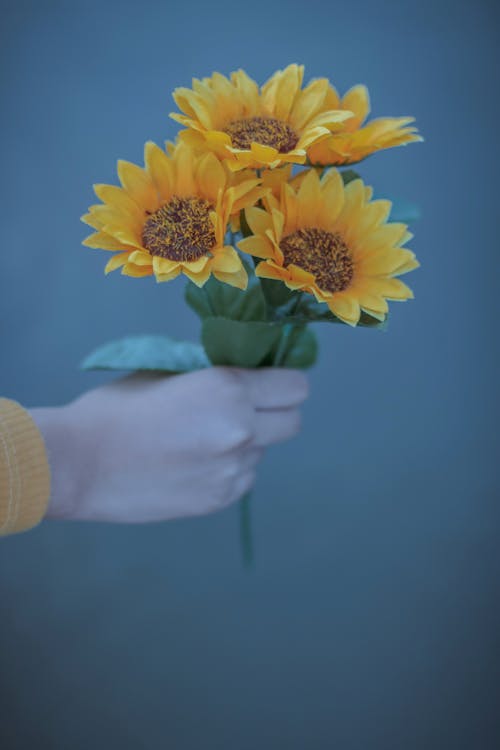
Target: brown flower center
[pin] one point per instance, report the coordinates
(180, 230)
(264, 130)
(323, 254)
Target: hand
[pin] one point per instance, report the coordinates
(152, 448)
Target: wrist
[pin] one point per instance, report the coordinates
(60, 440)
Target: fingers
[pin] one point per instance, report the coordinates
(250, 458)
(241, 486)
(240, 475)
(274, 388)
(276, 426)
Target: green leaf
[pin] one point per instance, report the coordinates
(198, 300)
(404, 211)
(303, 351)
(218, 299)
(158, 353)
(239, 343)
(276, 293)
(348, 175)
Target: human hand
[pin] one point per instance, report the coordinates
(152, 448)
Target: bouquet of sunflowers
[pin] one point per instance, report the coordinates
(252, 205)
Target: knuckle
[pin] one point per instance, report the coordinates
(247, 482)
(255, 456)
(229, 435)
(235, 429)
(239, 434)
(239, 487)
(298, 382)
(226, 382)
(230, 471)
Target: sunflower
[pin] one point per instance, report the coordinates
(257, 128)
(333, 242)
(271, 180)
(357, 141)
(171, 217)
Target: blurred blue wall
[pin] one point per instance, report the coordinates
(370, 620)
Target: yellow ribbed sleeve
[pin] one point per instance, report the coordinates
(24, 470)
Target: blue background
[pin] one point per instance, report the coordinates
(370, 619)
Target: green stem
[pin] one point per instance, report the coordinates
(287, 342)
(296, 304)
(279, 357)
(246, 537)
(289, 336)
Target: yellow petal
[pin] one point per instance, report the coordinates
(185, 184)
(168, 276)
(332, 99)
(218, 139)
(258, 247)
(119, 199)
(226, 259)
(271, 271)
(278, 223)
(258, 220)
(138, 185)
(140, 258)
(275, 241)
(410, 265)
(370, 301)
(137, 272)
(357, 100)
(238, 161)
(117, 261)
(211, 177)
(373, 215)
(394, 289)
(300, 276)
(160, 170)
(194, 105)
(311, 135)
(249, 92)
(308, 102)
(247, 193)
(196, 266)
(106, 214)
(279, 92)
(291, 212)
(124, 235)
(198, 278)
(238, 279)
(345, 307)
(92, 219)
(384, 237)
(332, 193)
(334, 120)
(103, 241)
(309, 199)
(109, 216)
(265, 154)
(385, 262)
(354, 200)
(164, 266)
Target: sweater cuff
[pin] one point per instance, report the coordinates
(24, 470)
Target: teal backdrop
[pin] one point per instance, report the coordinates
(370, 620)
